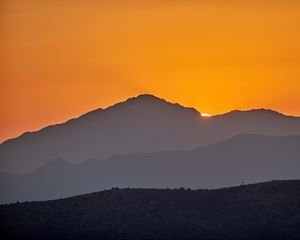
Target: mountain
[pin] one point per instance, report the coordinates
(245, 158)
(269, 210)
(141, 124)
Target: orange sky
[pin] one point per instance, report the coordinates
(62, 58)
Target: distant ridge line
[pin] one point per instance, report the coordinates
(143, 96)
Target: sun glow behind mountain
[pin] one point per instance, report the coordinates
(60, 59)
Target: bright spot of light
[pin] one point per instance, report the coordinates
(205, 115)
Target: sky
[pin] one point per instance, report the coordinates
(62, 58)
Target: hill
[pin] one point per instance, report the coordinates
(141, 124)
(245, 158)
(269, 210)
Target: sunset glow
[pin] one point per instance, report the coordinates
(60, 59)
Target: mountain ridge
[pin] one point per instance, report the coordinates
(143, 96)
(140, 124)
(109, 108)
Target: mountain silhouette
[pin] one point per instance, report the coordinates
(245, 158)
(140, 124)
(269, 210)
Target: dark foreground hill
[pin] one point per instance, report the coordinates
(268, 210)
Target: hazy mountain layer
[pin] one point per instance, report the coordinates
(245, 158)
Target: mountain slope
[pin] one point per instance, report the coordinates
(142, 124)
(245, 158)
(268, 210)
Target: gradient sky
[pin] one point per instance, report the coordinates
(62, 58)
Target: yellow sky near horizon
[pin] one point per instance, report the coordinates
(60, 59)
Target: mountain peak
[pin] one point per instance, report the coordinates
(261, 112)
(151, 101)
(145, 97)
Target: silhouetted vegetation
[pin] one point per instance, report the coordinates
(261, 211)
